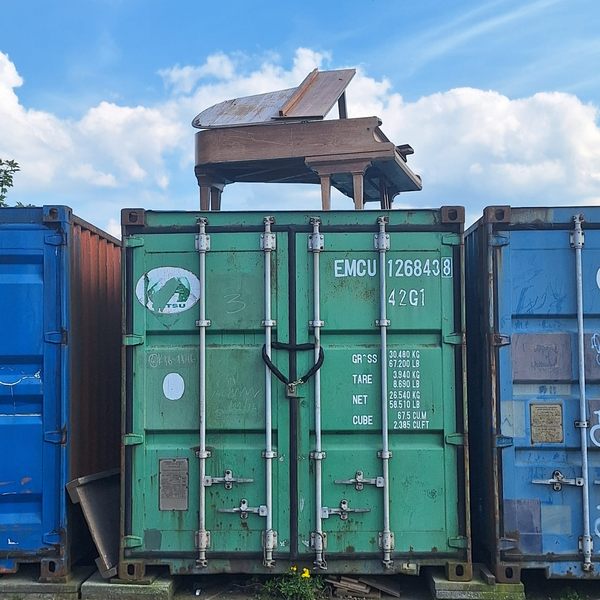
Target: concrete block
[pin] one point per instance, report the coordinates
(24, 585)
(476, 589)
(97, 588)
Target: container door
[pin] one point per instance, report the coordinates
(354, 505)
(173, 508)
(550, 500)
(31, 372)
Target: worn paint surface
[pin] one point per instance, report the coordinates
(59, 375)
(535, 401)
(424, 404)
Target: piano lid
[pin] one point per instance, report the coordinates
(311, 100)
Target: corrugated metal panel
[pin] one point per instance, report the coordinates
(163, 449)
(59, 415)
(532, 485)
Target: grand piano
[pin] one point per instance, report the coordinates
(283, 137)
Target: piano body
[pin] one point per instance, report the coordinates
(283, 137)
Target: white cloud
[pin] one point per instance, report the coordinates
(87, 173)
(472, 146)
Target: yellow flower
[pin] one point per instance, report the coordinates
(305, 573)
(293, 568)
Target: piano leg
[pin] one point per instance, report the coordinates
(357, 183)
(204, 197)
(326, 192)
(215, 197)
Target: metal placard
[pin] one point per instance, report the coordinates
(542, 357)
(546, 423)
(173, 478)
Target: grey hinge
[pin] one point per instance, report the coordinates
(52, 538)
(452, 239)
(455, 439)
(55, 239)
(457, 542)
(57, 337)
(56, 437)
(133, 340)
(507, 544)
(131, 541)
(502, 441)
(496, 241)
(499, 339)
(133, 242)
(454, 338)
(132, 439)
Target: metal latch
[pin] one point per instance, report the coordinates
(558, 480)
(359, 481)
(228, 479)
(243, 509)
(343, 511)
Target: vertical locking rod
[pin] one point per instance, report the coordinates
(268, 245)
(577, 241)
(203, 536)
(382, 244)
(315, 244)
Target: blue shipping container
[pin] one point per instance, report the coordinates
(533, 339)
(59, 379)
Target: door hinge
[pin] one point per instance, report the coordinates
(454, 338)
(57, 337)
(55, 239)
(131, 541)
(133, 340)
(56, 437)
(52, 538)
(132, 439)
(502, 441)
(451, 239)
(133, 241)
(457, 542)
(455, 439)
(507, 544)
(499, 339)
(497, 241)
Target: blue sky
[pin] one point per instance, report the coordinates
(499, 99)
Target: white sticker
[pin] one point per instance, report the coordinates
(168, 290)
(598, 278)
(173, 386)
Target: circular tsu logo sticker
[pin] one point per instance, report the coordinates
(168, 290)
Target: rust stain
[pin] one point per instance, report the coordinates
(25, 480)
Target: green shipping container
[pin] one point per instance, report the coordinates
(294, 392)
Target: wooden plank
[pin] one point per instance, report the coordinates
(384, 586)
(317, 94)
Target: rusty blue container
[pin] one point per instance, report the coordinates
(533, 327)
(59, 379)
